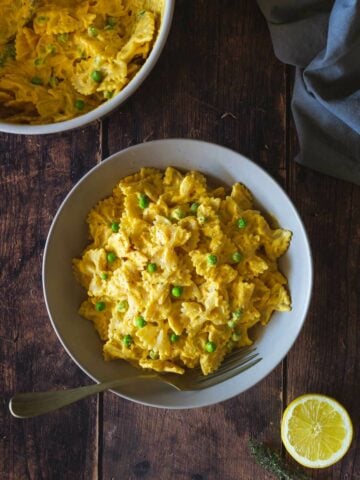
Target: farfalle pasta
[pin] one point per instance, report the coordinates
(178, 273)
(62, 58)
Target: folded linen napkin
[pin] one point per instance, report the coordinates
(322, 39)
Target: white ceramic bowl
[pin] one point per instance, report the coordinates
(110, 105)
(69, 235)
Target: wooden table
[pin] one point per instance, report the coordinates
(216, 80)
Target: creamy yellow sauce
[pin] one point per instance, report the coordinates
(178, 273)
(62, 58)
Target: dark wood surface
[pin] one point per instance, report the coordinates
(216, 80)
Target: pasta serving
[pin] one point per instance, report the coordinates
(178, 273)
(62, 58)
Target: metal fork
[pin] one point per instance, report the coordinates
(32, 404)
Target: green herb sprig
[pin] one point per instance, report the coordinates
(271, 461)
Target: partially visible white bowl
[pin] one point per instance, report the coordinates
(69, 235)
(109, 105)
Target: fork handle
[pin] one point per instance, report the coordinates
(32, 404)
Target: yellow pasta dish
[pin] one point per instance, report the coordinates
(62, 58)
(178, 273)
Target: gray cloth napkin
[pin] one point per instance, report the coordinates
(322, 39)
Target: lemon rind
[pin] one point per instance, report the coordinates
(347, 424)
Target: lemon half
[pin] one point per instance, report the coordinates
(316, 430)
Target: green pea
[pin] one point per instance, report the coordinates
(177, 291)
(212, 259)
(151, 267)
(104, 276)
(237, 313)
(100, 306)
(153, 355)
(115, 227)
(92, 31)
(36, 81)
(241, 223)
(143, 201)
(202, 219)
(79, 104)
(96, 75)
(108, 94)
(236, 257)
(140, 321)
(210, 347)
(173, 337)
(194, 206)
(38, 61)
(128, 340)
(111, 257)
(178, 213)
(232, 323)
(123, 306)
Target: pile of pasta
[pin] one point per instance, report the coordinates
(178, 273)
(62, 58)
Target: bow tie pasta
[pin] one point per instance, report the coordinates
(178, 273)
(62, 58)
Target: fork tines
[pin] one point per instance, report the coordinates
(236, 362)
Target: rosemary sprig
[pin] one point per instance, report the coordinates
(273, 463)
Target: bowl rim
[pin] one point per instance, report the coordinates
(309, 259)
(109, 105)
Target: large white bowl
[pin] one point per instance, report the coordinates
(109, 105)
(69, 235)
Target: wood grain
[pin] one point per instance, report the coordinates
(216, 80)
(35, 175)
(326, 357)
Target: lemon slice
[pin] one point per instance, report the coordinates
(316, 430)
